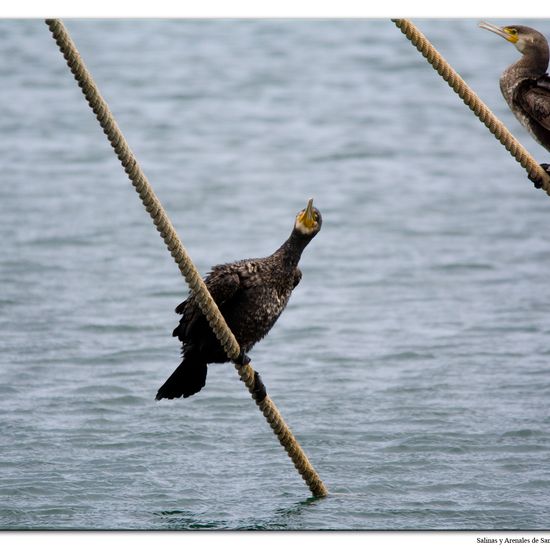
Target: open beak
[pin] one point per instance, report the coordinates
(497, 30)
(307, 217)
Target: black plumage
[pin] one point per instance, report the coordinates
(525, 85)
(251, 295)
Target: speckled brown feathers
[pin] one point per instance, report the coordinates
(251, 295)
(532, 99)
(525, 84)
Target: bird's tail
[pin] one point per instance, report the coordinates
(188, 379)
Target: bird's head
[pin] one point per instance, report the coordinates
(308, 221)
(525, 39)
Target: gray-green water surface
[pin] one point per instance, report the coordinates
(413, 361)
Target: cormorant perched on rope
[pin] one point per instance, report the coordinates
(525, 84)
(251, 294)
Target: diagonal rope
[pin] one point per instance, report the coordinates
(495, 126)
(180, 255)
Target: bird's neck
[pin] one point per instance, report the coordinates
(532, 64)
(291, 250)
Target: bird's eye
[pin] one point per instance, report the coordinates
(512, 31)
(316, 217)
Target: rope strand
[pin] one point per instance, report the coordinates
(178, 252)
(495, 126)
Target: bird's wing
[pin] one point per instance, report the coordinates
(534, 99)
(222, 283)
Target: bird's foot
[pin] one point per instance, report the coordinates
(242, 359)
(259, 393)
(538, 181)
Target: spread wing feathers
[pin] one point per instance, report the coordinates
(534, 99)
(222, 283)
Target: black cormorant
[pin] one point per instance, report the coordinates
(525, 84)
(251, 294)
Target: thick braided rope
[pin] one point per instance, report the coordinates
(495, 126)
(178, 252)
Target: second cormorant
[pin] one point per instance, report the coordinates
(525, 84)
(251, 295)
